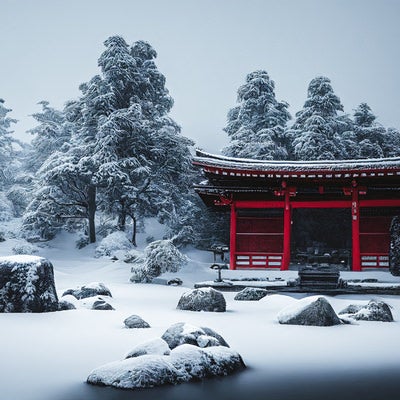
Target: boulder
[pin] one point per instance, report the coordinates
(153, 346)
(157, 366)
(375, 310)
(204, 299)
(134, 321)
(89, 290)
(102, 305)
(183, 333)
(313, 311)
(251, 294)
(27, 284)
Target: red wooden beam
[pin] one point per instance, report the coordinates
(380, 203)
(322, 204)
(259, 204)
(355, 222)
(232, 246)
(287, 226)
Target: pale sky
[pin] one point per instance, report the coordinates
(205, 49)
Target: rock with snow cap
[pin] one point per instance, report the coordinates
(153, 364)
(134, 321)
(184, 333)
(102, 305)
(152, 346)
(312, 311)
(89, 290)
(204, 299)
(251, 294)
(27, 284)
(375, 310)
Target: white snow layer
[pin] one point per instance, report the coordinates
(55, 352)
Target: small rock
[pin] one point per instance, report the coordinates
(102, 305)
(351, 309)
(251, 294)
(89, 290)
(175, 282)
(65, 305)
(205, 299)
(134, 321)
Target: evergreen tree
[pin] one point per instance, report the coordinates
(6, 146)
(256, 125)
(318, 130)
(391, 143)
(50, 134)
(370, 135)
(125, 154)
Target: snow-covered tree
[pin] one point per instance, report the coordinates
(318, 129)
(6, 145)
(370, 134)
(391, 143)
(50, 134)
(394, 253)
(256, 125)
(125, 155)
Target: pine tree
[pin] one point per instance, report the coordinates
(391, 143)
(370, 135)
(256, 125)
(318, 131)
(6, 146)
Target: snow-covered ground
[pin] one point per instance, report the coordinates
(49, 356)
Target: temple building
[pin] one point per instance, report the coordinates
(270, 202)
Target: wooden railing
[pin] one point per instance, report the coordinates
(374, 260)
(258, 260)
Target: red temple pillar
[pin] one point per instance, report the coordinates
(355, 221)
(287, 226)
(232, 246)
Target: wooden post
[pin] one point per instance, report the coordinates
(355, 222)
(287, 226)
(232, 246)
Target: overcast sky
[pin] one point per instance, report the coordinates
(205, 49)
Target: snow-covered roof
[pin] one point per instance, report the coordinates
(221, 165)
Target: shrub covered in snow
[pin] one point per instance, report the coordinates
(153, 364)
(24, 248)
(6, 208)
(112, 243)
(205, 299)
(313, 311)
(159, 257)
(27, 284)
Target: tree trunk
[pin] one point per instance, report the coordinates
(134, 231)
(92, 212)
(122, 218)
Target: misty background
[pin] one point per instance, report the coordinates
(205, 49)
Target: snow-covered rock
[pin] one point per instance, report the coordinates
(204, 299)
(183, 333)
(27, 284)
(314, 311)
(134, 321)
(251, 294)
(102, 305)
(375, 310)
(64, 305)
(89, 290)
(158, 367)
(153, 346)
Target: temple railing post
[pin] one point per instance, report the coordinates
(287, 226)
(355, 224)
(232, 245)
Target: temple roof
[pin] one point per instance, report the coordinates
(228, 166)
